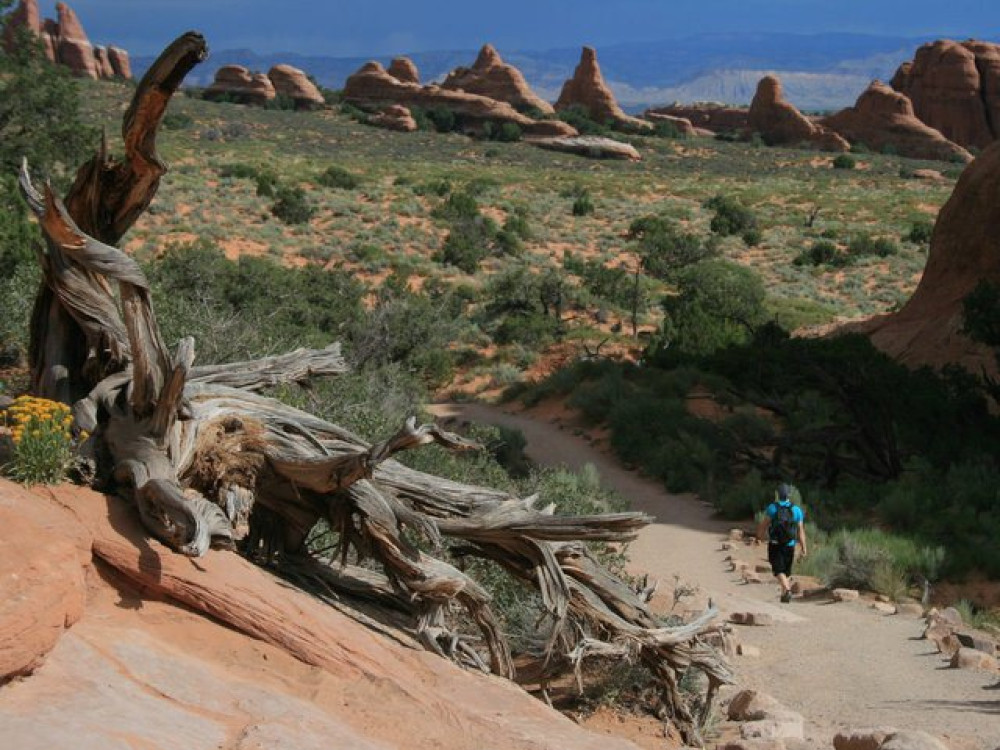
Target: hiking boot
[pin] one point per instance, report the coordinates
(786, 597)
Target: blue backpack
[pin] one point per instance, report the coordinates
(783, 525)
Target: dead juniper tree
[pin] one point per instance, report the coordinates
(211, 462)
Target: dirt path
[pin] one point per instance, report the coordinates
(842, 666)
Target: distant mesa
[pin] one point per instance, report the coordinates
(294, 84)
(404, 69)
(372, 88)
(781, 124)
(955, 88)
(65, 42)
(963, 252)
(238, 84)
(490, 76)
(710, 116)
(884, 120)
(588, 91)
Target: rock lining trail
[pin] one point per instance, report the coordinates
(842, 666)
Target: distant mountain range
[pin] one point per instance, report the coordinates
(820, 71)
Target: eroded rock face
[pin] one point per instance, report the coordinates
(120, 63)
(594, 147)
(42, 584)
(404, 69)
(963, 252)
(283, 670)
(394, 117)
(73, 48)
(884, 119)
(955, 88)
(781, 124)
(239, 84)
(682, 124)
(102, 62)
(491, 76)
(64, 41)
(293, 83)
(372, 87)
(717, 118)
(587, 90)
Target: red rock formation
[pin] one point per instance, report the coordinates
(372, 87)
(955, 88)
(24, 16)
(237, 83)
(491, 76)
(73, 48)
(394, 117)
(120, 63)
(717, 118)
(587, 90)
(682, 124)
(103, 63)
(150, 665)
(594, 147)
(293, 83)
(64, 42)
(883, 118)
(781, 124)
(42, 587)
(403, 69)
(963, 252)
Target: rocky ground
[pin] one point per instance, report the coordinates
(841, 665)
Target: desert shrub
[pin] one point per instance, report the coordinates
(291, 205)
(667, 129)
(731, 217)
(920, 232)
(468, 243)
(844, 161)
(818, 253)
(267, 184)
(578, 117)
(665, 247)
(439, 187)
(338, 177)
(281, 102)
(752, 237)
(442, 119)
(863, 244)
(583, 205)
(504, 132)
(238, 171)
(177, 121)
(459, 205)
(718, 303)
(745, 497)
(981, 313)
(42, 438)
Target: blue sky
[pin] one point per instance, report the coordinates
(382, 27)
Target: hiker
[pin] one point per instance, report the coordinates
(783, 522)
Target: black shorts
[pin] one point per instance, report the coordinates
(781, 557)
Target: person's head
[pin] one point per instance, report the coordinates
(784, 492)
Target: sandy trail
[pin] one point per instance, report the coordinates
(842, 666)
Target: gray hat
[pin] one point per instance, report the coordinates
(784, 491)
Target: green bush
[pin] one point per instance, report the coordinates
(177, 121)
(439, 187)
(291, 205)
(818, 253)
(580, 119)
(731, 217)
(862, 245)
(504, 132)
(920, 232)
(583, 205)
(338, 177)
(267, 184)
(42, 441)
(458, 206)
(468, 243)
(665, 247)
(844, 161)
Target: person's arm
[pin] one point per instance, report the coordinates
(802, 538)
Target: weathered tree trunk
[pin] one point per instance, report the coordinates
(209, 461)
